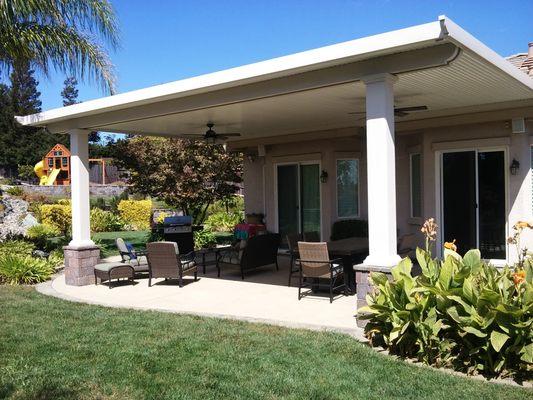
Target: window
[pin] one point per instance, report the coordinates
(416, 185)
(347, 188)
(50, 162)
(64, 161)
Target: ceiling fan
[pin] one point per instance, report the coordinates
(399, 111)
(211, 136)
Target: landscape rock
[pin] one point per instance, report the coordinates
(13, 212)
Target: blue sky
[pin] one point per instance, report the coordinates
(166, 40)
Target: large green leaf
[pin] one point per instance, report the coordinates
(498, 339)
(422, 257)
(527, 353)
(446, 272)
(472, 259)
(378, 278)
(474, 331)
(468, 289)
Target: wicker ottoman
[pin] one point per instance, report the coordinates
(115, 270)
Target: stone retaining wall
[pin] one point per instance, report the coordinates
(57, 191)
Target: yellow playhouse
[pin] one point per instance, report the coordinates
(54, 169)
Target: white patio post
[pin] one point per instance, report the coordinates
(79, 178)
(81, 255)
(381, 171)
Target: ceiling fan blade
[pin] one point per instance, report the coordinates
(400, 113)
(228, 134)
(356, 112)
(413, 108)
(192, 135)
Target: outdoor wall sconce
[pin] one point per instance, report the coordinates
(324, 176)
(515, 166)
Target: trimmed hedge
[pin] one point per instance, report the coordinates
(348, 228)
(105, 221)
(58, 216)
(136, 214)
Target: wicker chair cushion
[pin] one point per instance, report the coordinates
(105, 267)
(230, 257)
(188, 264)
(234, 255)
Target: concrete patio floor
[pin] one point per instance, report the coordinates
(262, 297)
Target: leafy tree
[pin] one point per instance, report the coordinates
(64, 35)
(22, 145)
(186, 174)
(70, 97)
(26, 173)
(70, 92)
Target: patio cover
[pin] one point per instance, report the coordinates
(437, 64)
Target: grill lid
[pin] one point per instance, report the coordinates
(178, 220)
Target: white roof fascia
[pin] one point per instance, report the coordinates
(336, 54)
(464, 39)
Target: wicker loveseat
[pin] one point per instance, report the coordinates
(256, 252)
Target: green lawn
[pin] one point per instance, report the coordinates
(53, 349)
(106, 240)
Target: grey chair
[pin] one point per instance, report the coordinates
(138, 262)
(164, 261)
(314, 263)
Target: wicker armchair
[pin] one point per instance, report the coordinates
(292, 242)
(164, 261)
(256, 252)
(315, 264)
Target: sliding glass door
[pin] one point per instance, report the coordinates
(473, 201)
(298, 198)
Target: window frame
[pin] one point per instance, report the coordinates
(411, 203)
(358, 193)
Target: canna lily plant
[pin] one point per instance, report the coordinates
(459, 312)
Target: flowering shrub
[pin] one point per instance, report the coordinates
(105, 221)
(40, 234)
(460, 312)
(204, 238)
(223, 221)
(20, 247)
(136, 214)
(58, 216)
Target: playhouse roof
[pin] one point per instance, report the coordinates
(58, 147)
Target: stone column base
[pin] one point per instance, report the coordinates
(363, 285)
(79, 264)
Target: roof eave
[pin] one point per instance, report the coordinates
(337, 54)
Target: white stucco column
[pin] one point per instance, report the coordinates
(381, 171)
(79, 185)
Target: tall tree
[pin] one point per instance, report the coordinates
(70, 91)
(70, 97)
(62, 34)
(186, 174)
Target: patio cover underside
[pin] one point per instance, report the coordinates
(447, 80)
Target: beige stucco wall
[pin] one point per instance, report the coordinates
(425, 141)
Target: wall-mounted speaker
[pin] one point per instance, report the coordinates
(518, 125)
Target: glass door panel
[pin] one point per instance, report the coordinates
(310, 197)
(459, 199)
(288, 199)
(491, 194)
